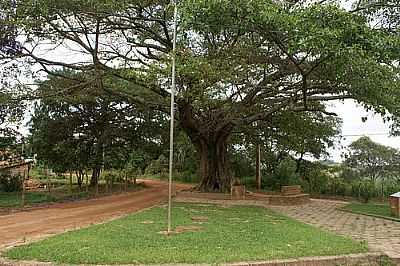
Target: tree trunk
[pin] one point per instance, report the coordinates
(258, 167)
(215, 176)
(107, 186)
(79, 178)
(94, 181)
(48, 184)
(298, 163)
(126, 180)
(111, 184)
(87, 182)
(120, 181)
(70, 183)
(210, 137)
(95, 176)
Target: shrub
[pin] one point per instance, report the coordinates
(9, 183)
(337, 186)
(190, 177)
(316, 181)
(112, 175)
(250, 181)
(159, 166)
(241, 165)
(284, 175)
(392, 187)
(367, 190)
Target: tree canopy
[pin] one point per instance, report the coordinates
(238, 62)
(371, 159)
(91, 129)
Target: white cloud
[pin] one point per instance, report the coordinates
(353, 127)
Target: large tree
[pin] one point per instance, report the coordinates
(238, 61)
(257, 60)
(76, 131)
(11, 106)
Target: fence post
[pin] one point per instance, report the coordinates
(23, 190)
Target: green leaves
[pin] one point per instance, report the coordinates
(371, 159)
(238, 61)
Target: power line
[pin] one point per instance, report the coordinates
(366, 134)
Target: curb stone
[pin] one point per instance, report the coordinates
(363, 259)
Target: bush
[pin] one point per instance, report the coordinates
(113, 175)
(190, 177)
(284, 175)
(316, 181)
(336, 186)
(391, 188)
(250, 181)
(159, 166)
(367, 190)
(9, 183)
(241, 165)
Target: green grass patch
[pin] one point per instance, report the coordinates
(380, 210)
(233, 234)
(13, 199)
(60, 193)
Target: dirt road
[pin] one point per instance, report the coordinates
(25, 226)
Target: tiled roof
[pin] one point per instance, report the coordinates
(13, 164)
(9, 159)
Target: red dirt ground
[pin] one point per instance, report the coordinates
(26, 226)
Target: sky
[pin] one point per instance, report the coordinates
(353, 127)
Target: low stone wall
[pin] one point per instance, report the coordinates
(291, 190)
(203, 195)
(370, 259)
(270, 199)
(281, 199)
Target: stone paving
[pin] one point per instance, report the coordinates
(381, 235)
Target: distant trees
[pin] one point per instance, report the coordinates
(292, 134)
(374, 166)
(372, 160)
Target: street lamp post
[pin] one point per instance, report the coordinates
(171, 137)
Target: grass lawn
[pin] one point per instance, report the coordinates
(239, 233)
(382, 210)
(13, 199)
(58, 194)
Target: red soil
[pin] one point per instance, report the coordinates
(38, 223)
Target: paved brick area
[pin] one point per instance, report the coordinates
(382, 235)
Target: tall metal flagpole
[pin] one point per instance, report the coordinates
(171, 137)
